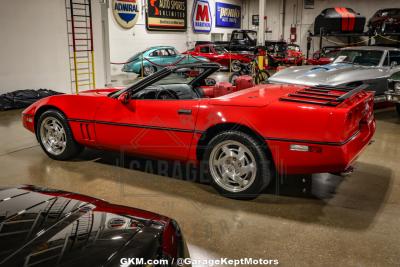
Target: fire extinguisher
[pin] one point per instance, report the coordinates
(293, 34)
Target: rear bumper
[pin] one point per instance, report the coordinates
(323, 156)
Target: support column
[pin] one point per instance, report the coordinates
(261, 23)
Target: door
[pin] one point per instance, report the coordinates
(149, 127)
(155, 58)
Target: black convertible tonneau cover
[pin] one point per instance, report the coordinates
(23, 98)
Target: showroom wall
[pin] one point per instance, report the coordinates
(125, 43)
(304, 18)
(40, 60)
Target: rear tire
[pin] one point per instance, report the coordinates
(235, 66)
(148, 70)
(238, 165)
(398, 108)
(55, 136)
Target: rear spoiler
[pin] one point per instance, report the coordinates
(324, 95)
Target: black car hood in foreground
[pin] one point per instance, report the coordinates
(42, 227)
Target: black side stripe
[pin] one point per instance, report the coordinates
(314, 142)
(138, 126)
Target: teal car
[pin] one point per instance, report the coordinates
(156, 58)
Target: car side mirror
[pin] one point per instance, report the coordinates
(393, 64)
(124, 98)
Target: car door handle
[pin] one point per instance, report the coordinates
(185, 111)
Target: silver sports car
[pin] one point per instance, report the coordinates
(353, 66)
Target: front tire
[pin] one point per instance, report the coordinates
(55, 136)
(235, 66)
(398, 108)
(237, 164)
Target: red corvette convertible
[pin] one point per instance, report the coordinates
(242, 133)
(220, 55)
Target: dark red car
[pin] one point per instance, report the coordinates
(282, 53)
(325, 56)
(220, 55)
(243, 134)
(385, 21)
(47, 227)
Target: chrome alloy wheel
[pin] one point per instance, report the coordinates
(232, 166)
(148, 70)
(52, 135)
(235, 66)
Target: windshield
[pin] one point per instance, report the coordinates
(220, 50)
(331, 54)
(252, 35)
(359, 57)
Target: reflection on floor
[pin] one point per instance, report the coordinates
(323, 220)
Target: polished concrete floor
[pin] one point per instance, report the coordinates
(323, 221)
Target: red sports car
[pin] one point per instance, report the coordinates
(243, 134)
(220, 55)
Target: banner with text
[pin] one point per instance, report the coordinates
(166, 15)
(227, 15)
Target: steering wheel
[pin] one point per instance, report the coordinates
(166, 94)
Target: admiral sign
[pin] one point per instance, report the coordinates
(166, 15)
(228, 16)
(126, 12)
(201, 17)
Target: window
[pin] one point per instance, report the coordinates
(216, 37)
(386, 61)
(394, 56)
(238, 36)
(204, 49)
(359, 57)
(171, 52)
(220, 50)
(159, 53)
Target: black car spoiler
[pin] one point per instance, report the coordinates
(324, 95)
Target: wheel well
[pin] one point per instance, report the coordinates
(216, 129)
(43, 109)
